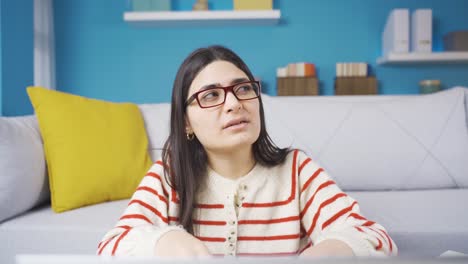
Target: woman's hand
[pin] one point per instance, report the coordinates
(180, 244)
(329, 247)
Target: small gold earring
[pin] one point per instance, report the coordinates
(190, 137)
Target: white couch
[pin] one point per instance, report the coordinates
(404, 158)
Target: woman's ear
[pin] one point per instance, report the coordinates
(188, 127)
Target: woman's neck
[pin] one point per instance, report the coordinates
(232, 164)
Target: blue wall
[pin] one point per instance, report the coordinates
(17, 55)
(101, 56)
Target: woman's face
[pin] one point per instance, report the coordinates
(228, 126)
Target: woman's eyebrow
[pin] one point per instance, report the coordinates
(239, 80)
(208, 86)
(214, 85)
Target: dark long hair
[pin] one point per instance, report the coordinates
(187, 160)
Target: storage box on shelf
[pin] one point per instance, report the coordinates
(356, 85)
(253, 5)
(288, 86)
(456, 41)
(151, 5)
(299, 78)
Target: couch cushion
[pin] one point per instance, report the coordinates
(354, 137)
(410, 142)
(23, 181)
(157, 118)
(422, 222)
(41, 231)
(96, 151)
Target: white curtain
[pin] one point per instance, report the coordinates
(44, 49)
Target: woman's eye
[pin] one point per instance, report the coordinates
(244, 88)
(210, 95)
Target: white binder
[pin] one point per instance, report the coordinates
(395, 38)
(421, 30)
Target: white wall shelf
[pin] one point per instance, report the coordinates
(202, 18)
(434, 57)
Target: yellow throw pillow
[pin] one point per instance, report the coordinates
(96, 151)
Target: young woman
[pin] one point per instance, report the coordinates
(224, 188)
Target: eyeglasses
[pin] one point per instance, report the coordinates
(215, 96)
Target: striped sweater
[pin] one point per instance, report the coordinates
(281, 210)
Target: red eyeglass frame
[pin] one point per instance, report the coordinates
(226, 89)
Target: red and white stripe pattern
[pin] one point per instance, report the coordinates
(283, 210)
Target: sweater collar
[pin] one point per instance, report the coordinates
(222, 185)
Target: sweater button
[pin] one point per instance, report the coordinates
(230, 247)
(232, 222)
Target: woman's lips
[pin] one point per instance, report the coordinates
(237, 126)
(235, 122)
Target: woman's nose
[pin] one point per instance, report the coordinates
(231, 103)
